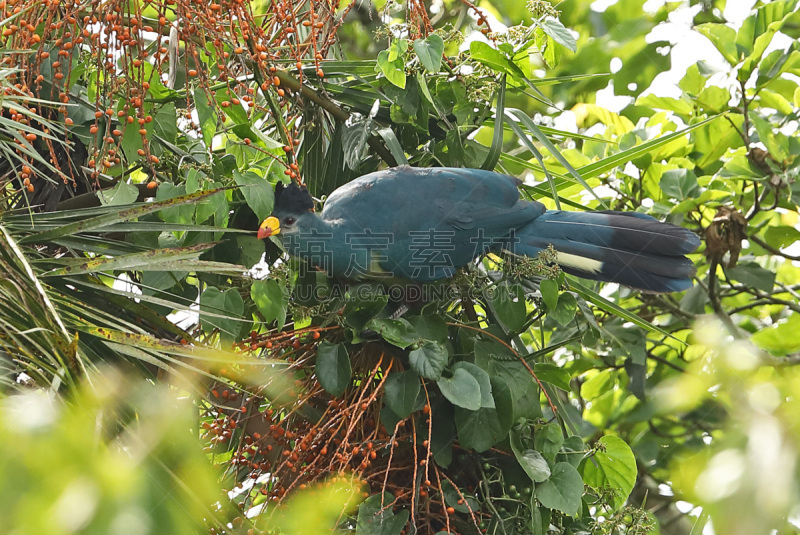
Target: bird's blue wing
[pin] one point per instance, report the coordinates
(437, 219)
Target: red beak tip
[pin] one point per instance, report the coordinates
(264, 233)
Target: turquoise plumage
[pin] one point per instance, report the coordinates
(424, 224)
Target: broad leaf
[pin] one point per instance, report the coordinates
(401, 391)
(559, 33)
(271, 298)
(333, 367)
(397, 332)
(429, 359)
(612, 466)
(257, 192)
(394, 70)
(563, 490)
(429, 51)
(462, 389)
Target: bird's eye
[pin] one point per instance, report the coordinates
(289, 220)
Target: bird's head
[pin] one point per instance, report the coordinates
(293, 204)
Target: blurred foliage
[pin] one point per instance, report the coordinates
(141, 145)
(748, 477)
(117, 458)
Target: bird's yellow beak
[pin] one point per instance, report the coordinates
(270, 227)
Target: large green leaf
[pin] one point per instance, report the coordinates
(563, 490)
(227, 306)
(429, 359)
(257, 192)
(462, 389)
(397, 332)
(394, 70)
(429, 51)
(613, 466)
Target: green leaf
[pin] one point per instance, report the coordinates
(640, 68)
(429, 359)
(206, 116)
(401, 391)
(493, 58)
(361, 308)
(781, 236)
(271, 299)
(167, 259)
(548, 440)
(429, 51)
(496, 149)
(430, 327)
(679, 184)
(550, 373)
(694, 80)
(234, 112)
(504, 406)
(534, 464)
(714, 99)
(509, 305)
(480, 375)
(679, 106)
(751, 274)
(771, 99)
(376, 517)
(517, 116)
(257, 192)
(723, 37)
(563, 491)
(333, 367)
(599, 167)
(612, 466)
(398, 49)
(559, 33)
(479, 429)
(398, 332)
(598, 384)
(460, 501)
(180, 213)
(715, 139)
(757, 32)
(164, 125)
(393, 70)
(462, 389)
(549, 290)
(443, 432)
(780, 338)
(776, 143)
(121, 193)
(393, 144)
(251, 248)
(222, 310)
(354, 141)
(565, 309)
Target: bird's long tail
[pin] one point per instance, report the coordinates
(632, 249)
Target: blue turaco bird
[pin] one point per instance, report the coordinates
(423, 224)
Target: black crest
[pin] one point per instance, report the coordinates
(292, 198)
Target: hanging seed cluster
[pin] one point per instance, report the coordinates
(127, 49)
(277, 449)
